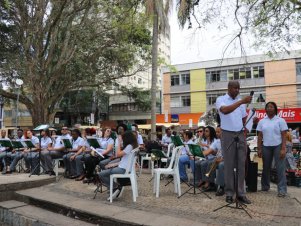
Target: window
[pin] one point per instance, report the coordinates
(185, 101)
(139, 81)
(223, 76)
(215, 76)
(175, 102)
(230, 75)
(185, 79)
(298, 69)
(248, 72)
(261, 72)
(175, 80)
(255, 72)
(236, 74)
(208, 76)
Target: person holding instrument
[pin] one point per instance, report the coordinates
(271, 144)
(233, 115)
(32, 152)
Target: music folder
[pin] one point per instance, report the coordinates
(93, 142)
(5, 143)
(17, 144)
(28, 143)
(176, 140)
(66, 142)
(196, 150)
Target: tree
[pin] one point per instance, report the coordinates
(158, 12)
(58, 46)
(274, 25)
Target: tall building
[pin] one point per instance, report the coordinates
(123, 108)
(193, 89)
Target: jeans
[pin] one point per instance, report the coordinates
(105, 176)
(183, 161)
(220, 180)
(33, 159)
(47, 157)
(268, 153)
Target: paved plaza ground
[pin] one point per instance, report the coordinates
(266, 207)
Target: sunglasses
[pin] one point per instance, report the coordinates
(200, 131)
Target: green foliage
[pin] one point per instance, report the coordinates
(58, 46)
(141, 97)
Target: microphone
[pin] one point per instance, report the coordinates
(251, 94)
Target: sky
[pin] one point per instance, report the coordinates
(192, 45)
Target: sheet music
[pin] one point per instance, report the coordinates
(98, 151)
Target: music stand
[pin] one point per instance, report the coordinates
(196, 151)
(7, 145)
(93, 142)
(39, 128)
(18, 145)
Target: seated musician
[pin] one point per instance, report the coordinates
(208, 139)
(166, 139)
(69, 159)
(91, 160)
(186, 155)
(31, 153)
(121, 128)
(54, 152)
(17, 154)
(46, 142)
(208, 167)
(5, 154)
(129, 143)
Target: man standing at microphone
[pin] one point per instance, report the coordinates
(232, 111)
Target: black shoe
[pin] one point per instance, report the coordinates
(229, 199)
(244, 200)
(51, 173)
(208, 188)
(220, 192)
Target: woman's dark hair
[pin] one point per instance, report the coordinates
(129, 138)
(188, 134)
(123, 126)
(88, 131)
(274, 105)
(46, 132)
(212, 133)
(77, 132)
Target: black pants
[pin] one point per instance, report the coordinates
(90, 164)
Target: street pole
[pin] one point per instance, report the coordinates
(19, 83)
(1, 112)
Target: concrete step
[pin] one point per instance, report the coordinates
(94, 211)
(15, 213)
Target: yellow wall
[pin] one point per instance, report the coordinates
(198, 82)
(281, 72)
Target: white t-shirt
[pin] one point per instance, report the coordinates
(217, 147)
(271, 130)
(78, 142)
(2, 149)
(45, 141)
(166, 139)
(185, 149)
(233, 120)
(125, 159)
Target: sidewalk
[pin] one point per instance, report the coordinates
(266, 207)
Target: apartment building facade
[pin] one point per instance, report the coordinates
(194, 87)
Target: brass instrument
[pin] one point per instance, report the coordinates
(213, 166)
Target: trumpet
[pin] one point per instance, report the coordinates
(213, 166)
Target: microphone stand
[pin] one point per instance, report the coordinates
(238, 204)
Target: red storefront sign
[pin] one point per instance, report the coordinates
(290, 115)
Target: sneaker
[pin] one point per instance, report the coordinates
(282, 195)
(220, 192)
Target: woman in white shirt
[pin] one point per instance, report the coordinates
(271, 144)
(129, 143)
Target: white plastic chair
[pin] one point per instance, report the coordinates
(56, 167)
(147, 157)
(170, 146)
(172, 169)
(130, 173)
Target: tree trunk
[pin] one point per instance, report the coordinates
(154, 72)
(40, 113)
